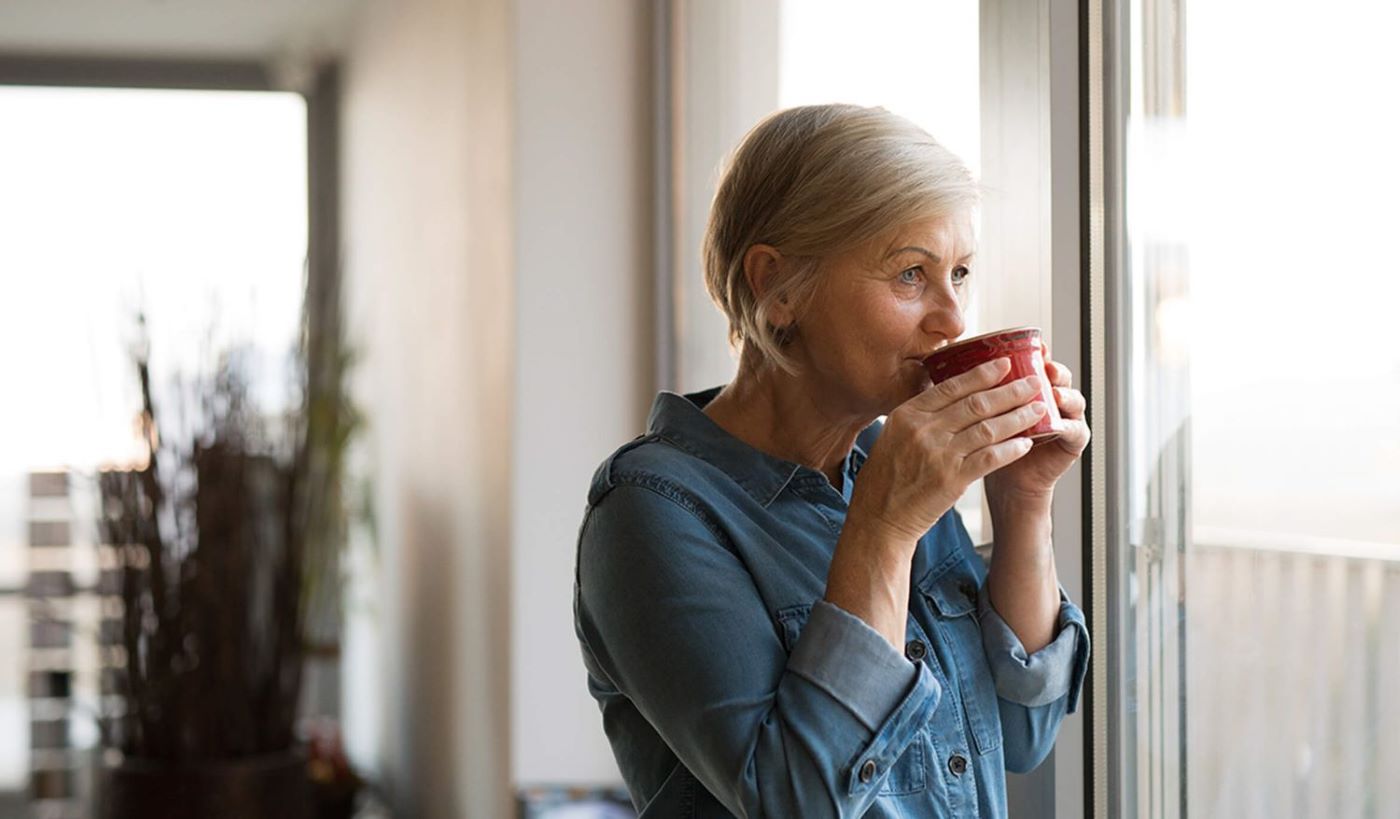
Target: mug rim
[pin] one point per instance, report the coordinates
(992, 334)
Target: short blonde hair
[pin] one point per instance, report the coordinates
(815, 181)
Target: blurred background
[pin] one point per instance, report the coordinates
(472, 227)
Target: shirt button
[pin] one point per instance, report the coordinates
(867, 771)
(915, 650)
(969, 591)
(957, 764)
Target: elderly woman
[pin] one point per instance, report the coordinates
(780, 611)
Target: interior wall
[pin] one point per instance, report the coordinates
(728, 81)
(583, 386)
(428, 277)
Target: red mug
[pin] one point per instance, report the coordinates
(1024, 347)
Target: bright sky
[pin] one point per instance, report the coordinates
(190, 205)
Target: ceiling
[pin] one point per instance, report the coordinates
(260, 30)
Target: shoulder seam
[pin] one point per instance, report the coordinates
(672, 492)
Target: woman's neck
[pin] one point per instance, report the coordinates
(783, 416)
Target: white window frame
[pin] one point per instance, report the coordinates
(1034, 228)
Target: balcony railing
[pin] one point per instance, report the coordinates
(1293, 677)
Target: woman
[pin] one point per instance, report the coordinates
(768, 635)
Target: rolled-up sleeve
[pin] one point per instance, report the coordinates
(1034, 691)
(671, 615)
(1054, 672)
(870, 677)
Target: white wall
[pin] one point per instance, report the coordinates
(582, 388)
(428, 227)
(728, 79)
(498, 218)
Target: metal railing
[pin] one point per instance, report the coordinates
(1293, 677)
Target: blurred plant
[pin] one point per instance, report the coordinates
(228, 543)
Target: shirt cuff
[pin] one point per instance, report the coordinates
(1055, 671)
(852, 662)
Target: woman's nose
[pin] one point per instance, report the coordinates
(944, 317)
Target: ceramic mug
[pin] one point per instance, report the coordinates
(1024, 347)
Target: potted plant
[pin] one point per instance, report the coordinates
(224, 542)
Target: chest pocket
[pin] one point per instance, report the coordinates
(951, 589)
(910, 771)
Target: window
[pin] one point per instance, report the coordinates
(189, 206)
(1256, 567)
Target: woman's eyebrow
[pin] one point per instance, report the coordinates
(926, 252)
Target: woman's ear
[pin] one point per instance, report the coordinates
(762, 267)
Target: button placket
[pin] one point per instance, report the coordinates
(914, 632)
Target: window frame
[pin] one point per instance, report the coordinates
(1034, 71)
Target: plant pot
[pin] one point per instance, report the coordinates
(334, 800)
(269, 786)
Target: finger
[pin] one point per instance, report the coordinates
(993, 402)
(995, 430)
(960, 386)
(1058, 373)
(1070, 401)
(1074, 437)
(989, 459)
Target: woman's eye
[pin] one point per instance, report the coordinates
(911, 276)
(960, 274)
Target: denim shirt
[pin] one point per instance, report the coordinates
(728, 687)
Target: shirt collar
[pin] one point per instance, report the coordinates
(680, 420)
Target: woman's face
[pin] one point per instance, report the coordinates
(880, 310)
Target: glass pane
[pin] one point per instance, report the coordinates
(1293, 585)
(1154, 380)
(1258, 579)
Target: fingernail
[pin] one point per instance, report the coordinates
(1032, 381)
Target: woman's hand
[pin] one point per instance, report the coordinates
(1033, 477)
(935, 444)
